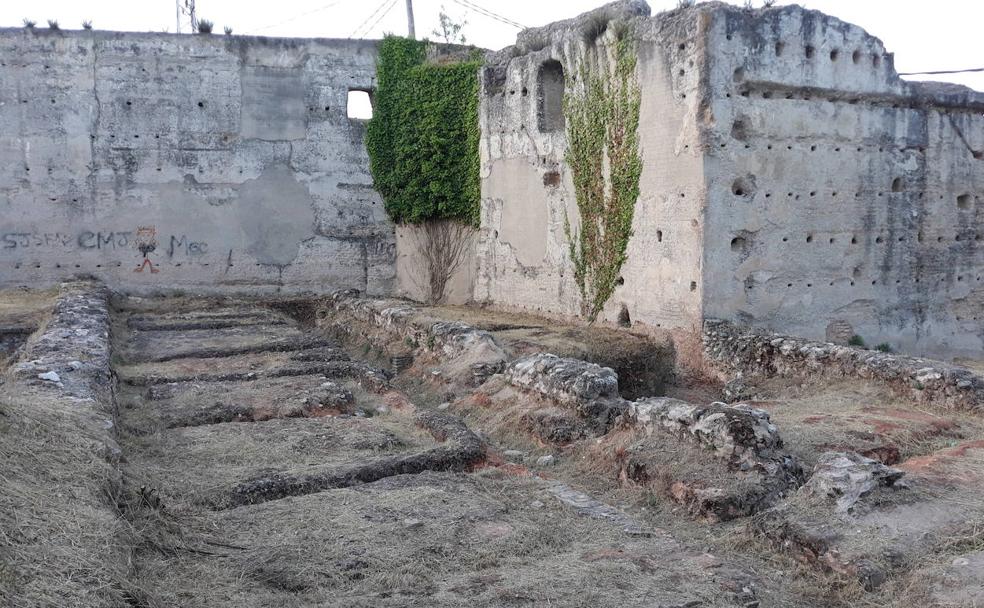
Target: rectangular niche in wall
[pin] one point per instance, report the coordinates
(550, 97)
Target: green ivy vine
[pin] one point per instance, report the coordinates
(602, 116)
(423, 138)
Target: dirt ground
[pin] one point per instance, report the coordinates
(267, 463)
(237, 400)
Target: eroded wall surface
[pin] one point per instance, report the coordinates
(842, 200)
(204, 162)
(527, 191)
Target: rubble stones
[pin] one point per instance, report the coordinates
(591, 390)
(847, 476)
(743, 350)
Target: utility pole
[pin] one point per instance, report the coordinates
(177, 14)
(413, 34)
(186, 7)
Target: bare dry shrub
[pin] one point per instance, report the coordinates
(444, 246)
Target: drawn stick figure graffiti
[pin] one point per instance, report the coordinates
(146, 242)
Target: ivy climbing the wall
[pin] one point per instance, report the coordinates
(602, 115)
(423, 137)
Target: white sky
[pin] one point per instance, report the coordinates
(937, 35)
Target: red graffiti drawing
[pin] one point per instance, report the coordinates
(146, 242)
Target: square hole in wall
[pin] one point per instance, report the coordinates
(359, 104)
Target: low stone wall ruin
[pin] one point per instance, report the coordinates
(404, 328)
(61, 394)
(741, 351)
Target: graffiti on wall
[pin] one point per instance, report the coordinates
(142, 241)
(146, 244)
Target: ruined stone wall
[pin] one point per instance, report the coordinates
(527, 189)
(841, 199)
(199, 162)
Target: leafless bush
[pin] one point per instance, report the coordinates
(444, 246)
(53, 24)
(227, 30)
(205, 26)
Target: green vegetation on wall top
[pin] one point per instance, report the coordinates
(423, 137)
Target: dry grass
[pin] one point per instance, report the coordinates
(62, 542)
(478, 542)
(823, 415)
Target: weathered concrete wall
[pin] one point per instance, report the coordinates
(791, 181)
(842, 200)
(229, 160)
(527, 189)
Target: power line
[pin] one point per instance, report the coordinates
(486, 12)
(373, 14)
(941, 72)
(376, 22)
(298, 16)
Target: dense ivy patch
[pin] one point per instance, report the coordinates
(424, 134)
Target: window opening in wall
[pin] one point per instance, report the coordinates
(963, 201)
(359, 104)
(550, 97)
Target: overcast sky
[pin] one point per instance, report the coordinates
(937, 35)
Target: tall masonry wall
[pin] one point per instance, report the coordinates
(842, 200)
(207, 162)
(527, 191)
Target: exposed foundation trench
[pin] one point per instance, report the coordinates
(267, 462)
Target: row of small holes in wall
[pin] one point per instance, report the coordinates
(810, 51)
(749, 285)
(739, 243)
(815, 148)
(738, 128)
(854, 101)
(359, 105)
(741, 188)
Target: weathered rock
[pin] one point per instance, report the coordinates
(589, 389)
(735, 390)
(847, 476)
(740, 437)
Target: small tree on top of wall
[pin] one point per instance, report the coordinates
(449, 30)
(423, 151)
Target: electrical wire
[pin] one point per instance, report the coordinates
(941, 72)
(376, 22)
(379, 8)
(298, 16)
(486, 12)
